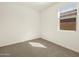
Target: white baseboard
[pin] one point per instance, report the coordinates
(65, 46)
(19, 41)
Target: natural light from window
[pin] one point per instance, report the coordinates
(35, 44)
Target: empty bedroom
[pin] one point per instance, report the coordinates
(39, 29)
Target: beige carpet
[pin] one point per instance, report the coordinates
(36, 48)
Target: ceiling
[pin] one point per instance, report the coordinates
(37, 5)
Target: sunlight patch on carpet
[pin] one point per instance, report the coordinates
(35, 44)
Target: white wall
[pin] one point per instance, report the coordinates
(17, 23)
(50, 31)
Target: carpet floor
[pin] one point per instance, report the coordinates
(36, 48)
